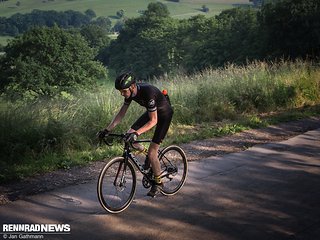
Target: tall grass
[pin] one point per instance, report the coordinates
(259, 87)
(58, 134)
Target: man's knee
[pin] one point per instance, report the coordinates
(153, 149)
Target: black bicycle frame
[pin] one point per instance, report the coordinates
(127, 154)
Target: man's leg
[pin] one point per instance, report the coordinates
(153, 157)
(156, 168)
(159, 134)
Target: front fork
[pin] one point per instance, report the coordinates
(122, 175)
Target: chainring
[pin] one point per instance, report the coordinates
(145, 182)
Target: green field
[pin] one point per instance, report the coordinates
(183, 9)
(4, 40)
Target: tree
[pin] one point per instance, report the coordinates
(19, 23)
(120, 13)
(96, 36)
(103, 22)
(43, 62)
(119, 25)
(90, 13)
(234, 37)
(291, 28)
(192, 34)
(157, 9)
(154, 44)
(204, 8)
(145, 46)
(257, 3)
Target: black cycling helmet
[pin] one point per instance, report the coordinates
(124, 81)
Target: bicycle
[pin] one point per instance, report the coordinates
(117, 180)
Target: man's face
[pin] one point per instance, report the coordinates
(125, 92)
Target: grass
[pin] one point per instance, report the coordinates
(181, 133)
(44, 136)
(259, 87)
(109, 7)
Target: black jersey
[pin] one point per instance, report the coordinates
(151, 98)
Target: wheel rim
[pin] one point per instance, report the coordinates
(116, 196)
(174, 169)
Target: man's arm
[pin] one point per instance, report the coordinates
(117, 119)
(153, 116)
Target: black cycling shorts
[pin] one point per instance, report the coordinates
(162, 127)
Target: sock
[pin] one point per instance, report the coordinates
(145, 151)
(157, 179)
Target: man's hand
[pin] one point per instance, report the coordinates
(101, 134)
(131, 137)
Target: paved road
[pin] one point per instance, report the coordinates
(270, 191)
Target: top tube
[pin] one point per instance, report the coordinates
(123, 135)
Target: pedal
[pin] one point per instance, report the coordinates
(172, 170)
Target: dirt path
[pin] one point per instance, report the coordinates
(195, 150)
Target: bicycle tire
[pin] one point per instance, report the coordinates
(116, 195)
(174, 169)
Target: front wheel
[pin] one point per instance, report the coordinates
(116, 185)
(174, 169)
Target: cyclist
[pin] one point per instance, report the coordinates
(158, 113)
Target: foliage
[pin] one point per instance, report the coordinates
(102, 22)
(96, 36)
(205, 9)
(256, 88)
(157, 9)
(46, 62)
(191, 36)
(119, 25)
(46, 135)
(90, 13)
(153, 45)
(20, 23)
(291, 28)
(234, 37)
(120, 13)
(143, 46)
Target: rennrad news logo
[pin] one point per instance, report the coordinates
(36, 228)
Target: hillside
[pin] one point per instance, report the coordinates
(183, 9)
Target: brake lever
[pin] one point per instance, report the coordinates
(107, 143)
(103, 140)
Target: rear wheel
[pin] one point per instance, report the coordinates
(174, 169)
(116, 185)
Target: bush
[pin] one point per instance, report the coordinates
(45, 62)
